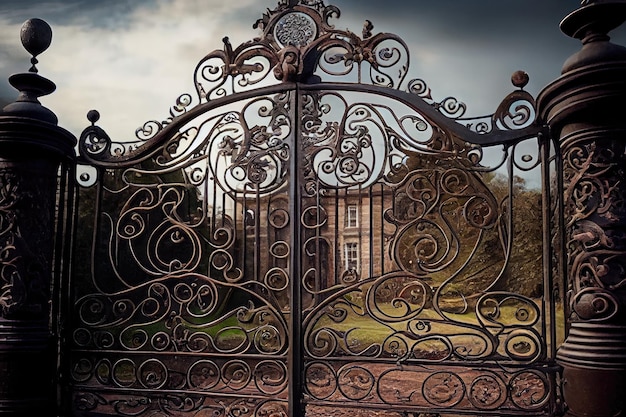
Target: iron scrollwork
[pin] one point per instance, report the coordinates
(177, 225)
(431, 299)
(407, 239)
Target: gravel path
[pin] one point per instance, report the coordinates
(315, 411)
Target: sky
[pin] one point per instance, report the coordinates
(131, 59)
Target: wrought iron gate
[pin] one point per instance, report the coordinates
(313, 232)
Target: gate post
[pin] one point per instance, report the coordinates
(35, 190)
(585, 109)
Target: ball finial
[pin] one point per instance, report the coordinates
(520, 79)
(93, 116)
(36, 36)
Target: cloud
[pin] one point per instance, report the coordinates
(86, 14)
(134, 71)
(467, 48)
(110, 13)
(131, 59)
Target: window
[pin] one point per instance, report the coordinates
(352, 216)
(351, 250)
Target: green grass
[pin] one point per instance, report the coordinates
(359, 332)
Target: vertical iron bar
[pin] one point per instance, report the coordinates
(548, 292)
(223, 215)
(562, 252)
(295, 303)
(67, 294)
(549, 333)
(62, 267)
(359, 221)
(258, 267)
(244, 230)
(318, 286)
(382, 229)
(96, 227)
(336, 248)
(561, 228)
(510, 222)
(57, 274)
(213, 221)
(371, 231)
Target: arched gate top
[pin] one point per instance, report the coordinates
(299, 47)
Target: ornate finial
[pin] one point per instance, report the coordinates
(591, 24)
(93, 116)
(594, 17)
(36, 36)
(520, 79)
(367, 29)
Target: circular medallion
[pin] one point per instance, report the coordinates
(203, 375)
(321, 380)
(356, 382)
(443, 389)
(487, 392)
(296, 29)
(529, 390)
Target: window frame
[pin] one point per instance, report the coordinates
(352, 216)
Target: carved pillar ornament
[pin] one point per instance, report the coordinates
(32, 202)
(584, 109)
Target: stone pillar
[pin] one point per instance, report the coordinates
(35, 156)
(586, 110)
